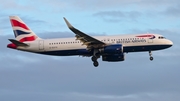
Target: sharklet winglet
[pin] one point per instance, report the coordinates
(68, 24)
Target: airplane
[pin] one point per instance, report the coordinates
(110, 48)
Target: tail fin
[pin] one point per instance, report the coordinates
(21, 31)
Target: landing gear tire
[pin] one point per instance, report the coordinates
(151, 58)
(94, 59)
(96, 64)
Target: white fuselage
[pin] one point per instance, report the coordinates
(71, 46)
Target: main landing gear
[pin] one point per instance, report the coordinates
(95, 57)
(95, 62)
(150, 54)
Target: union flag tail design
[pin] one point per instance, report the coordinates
(21, 31)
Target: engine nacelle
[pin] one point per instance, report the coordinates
(113, 58)
(112, 49)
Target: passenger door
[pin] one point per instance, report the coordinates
(150, 40)
(41, 45)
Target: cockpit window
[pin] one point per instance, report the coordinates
(161, 37)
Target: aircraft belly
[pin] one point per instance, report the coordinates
(67, 52)
(145, 48)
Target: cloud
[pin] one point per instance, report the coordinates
(115, 16)
(59, 5)
(55, 6)
(4, 24)
(173, 11)
(100, 4)
(134, 97)
(15, 5)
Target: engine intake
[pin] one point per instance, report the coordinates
(112, 49)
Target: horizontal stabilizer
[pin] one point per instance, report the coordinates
(18, 43)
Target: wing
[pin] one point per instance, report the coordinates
(86, 39)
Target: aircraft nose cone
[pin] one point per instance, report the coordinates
(170, 43)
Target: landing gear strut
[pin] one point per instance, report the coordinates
(150, 54)
(95, 57)
(95, 63)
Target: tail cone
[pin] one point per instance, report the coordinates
(13, 46)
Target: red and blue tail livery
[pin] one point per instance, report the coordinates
(21, 31)
(16, 23)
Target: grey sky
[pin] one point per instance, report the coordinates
(32, 77)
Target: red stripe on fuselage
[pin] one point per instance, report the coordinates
(16, 23)
(145, 36)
